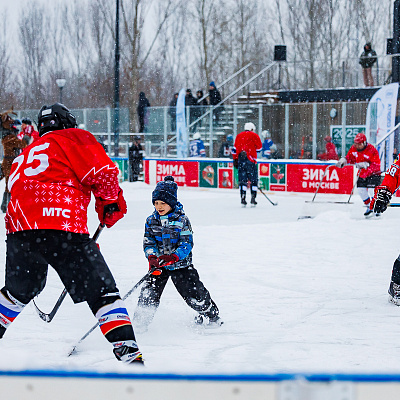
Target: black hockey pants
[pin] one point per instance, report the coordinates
(188, 285)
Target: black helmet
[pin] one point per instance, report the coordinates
(55, 117)
(27, 121)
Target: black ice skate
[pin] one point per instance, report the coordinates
(208, 322)
(253, 200)
(243, 200)
(368, 213)
(394, 293)
(128, 355)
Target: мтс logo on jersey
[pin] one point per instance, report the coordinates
(52, 211)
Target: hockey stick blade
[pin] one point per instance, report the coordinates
(49, 317)
(274, 204)
(73, 350)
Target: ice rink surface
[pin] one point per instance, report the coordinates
(296, 295)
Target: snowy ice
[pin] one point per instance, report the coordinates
(306, 295)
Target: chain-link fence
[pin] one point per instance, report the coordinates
(298, 130)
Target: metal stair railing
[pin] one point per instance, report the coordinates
(223, 101)
(228, 79)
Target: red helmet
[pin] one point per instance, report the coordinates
(360, 138)
(327, 138)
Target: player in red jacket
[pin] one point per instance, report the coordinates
(51, 185)
(28, 131)
(365, 157)
(383, 194)
(244, 154)
(330, 151)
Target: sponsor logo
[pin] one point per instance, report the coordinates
(312, 178)
(56, 212)
(170, 169)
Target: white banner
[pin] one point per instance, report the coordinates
(182, 138)
(381, 114)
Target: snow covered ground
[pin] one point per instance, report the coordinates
(304, 295)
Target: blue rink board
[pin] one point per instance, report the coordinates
(231, 378)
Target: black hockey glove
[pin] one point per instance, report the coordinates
(381, 199)
(236, 163)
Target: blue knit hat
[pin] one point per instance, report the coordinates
(166, 191)
(212, 83)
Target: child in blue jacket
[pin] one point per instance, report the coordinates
(167, 244)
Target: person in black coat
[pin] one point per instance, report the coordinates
(135, 154)
(191, 102)
(199, 109)
(141, 110)
(172, 111)
(215, 98)
(367, 60)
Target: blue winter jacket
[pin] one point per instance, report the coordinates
(167, 234)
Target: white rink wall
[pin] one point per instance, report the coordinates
(47, 385)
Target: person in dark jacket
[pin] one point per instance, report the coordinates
(172, 111)
(142, 110)
(135, 153)
(191, 102)
(367, 60)
(200, 109)
(225, 150)
(167, 244)
(215, 98)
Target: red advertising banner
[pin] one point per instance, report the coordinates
(146, 172)
(306, 178)
(225, 178)
(185, 173)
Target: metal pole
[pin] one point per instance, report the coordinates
(286, 130)
(116, 83)
(164, 147)
(314, 132)
(343, 129)
(396, 42)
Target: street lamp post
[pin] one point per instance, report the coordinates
(61, 84)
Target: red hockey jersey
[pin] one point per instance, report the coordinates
(249, 142)
(52, 180)
(392, 176)
(370, 155)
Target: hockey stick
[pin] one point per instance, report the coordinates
(320, 183)
(49, 317)
(274, 204)
(354, 186)
(73, 350)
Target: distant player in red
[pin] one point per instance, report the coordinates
(28, 131)
(365, 157)
(330, 151)
(383, 194)
(244, 154)
(51, 184)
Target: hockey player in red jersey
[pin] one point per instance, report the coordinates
(366, 158)
(244, 153)
(382, 196)
(51, 185)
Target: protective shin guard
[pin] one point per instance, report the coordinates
(363, 192)
(116, 326)
(10, 308)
